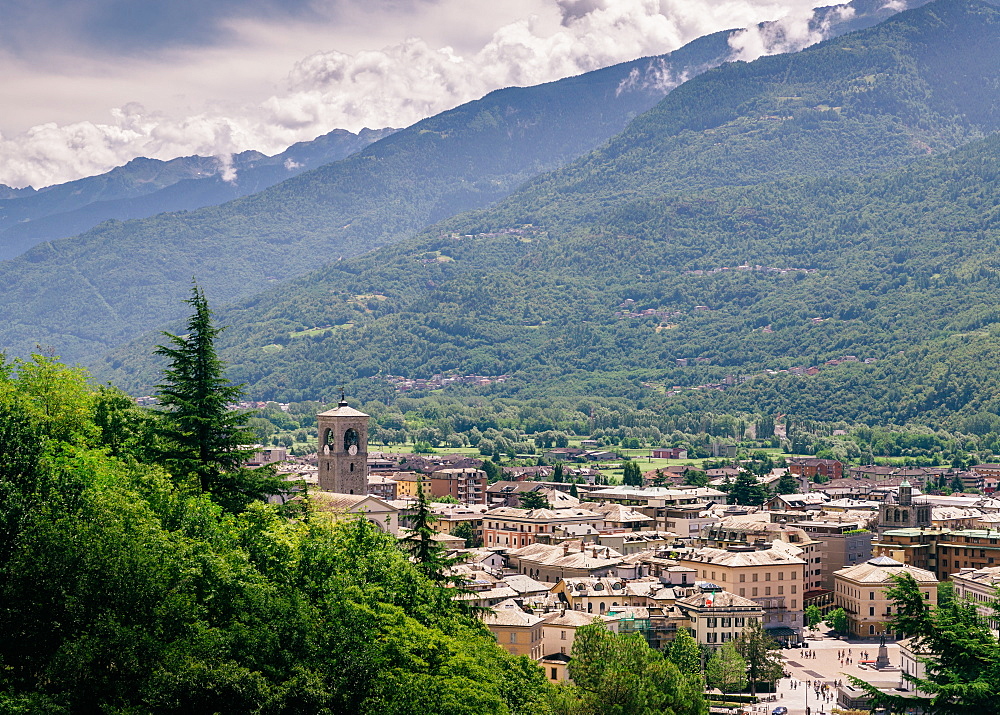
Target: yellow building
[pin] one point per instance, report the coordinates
(406, 484)
(861, 591)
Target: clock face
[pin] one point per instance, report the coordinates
(352, 450)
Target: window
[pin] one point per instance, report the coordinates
(712, 622)
(513, 637)
(562, 635)
(767, 591)
(871, 611)
(871, 595)
(743, 578)
(781, 575)
(711, 637)
(754, 591)
(767, 576)
(555, 674)
(743, 592)
(871, 630)
(793, 588)
(755, 577)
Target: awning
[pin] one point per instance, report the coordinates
(781, 632)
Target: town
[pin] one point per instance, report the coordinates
(545, 550)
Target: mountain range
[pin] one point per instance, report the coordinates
(79, 296)
(146, 187)
(838, 205)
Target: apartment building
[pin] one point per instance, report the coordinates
(514, 528)
(516, 631)
(467, 485)
(774, 578)
(839, 545)
(716, 616)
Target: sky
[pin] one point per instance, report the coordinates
(90, 84)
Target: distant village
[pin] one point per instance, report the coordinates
(545, 556)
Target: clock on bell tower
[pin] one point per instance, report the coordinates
(343, 450)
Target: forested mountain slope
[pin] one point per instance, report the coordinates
(870, 265)
(146, 187)
(82, 295)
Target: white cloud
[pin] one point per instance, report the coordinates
(787, 34)
(404, 81)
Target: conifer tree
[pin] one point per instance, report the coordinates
(201, 436)
(762, 655)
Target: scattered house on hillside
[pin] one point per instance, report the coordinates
(669, 453)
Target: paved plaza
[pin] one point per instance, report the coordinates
(809, 675)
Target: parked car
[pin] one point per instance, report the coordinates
(780, 710)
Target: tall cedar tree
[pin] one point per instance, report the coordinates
(426, 552)
(958, 648)
(533, 500)
(202, 437)
(762, 655)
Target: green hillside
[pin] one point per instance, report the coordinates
(78, 297)
(85, 294)
(873, 264)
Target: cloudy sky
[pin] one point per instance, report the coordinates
(89, 84)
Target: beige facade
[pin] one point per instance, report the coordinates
(559, 629)
(716, 617)
(774, 578)
(568, 560)
(514, 528)
(516, 631)
(598, 596)
(980, 587)
(339, 507)
(861, 591)
(840, 545)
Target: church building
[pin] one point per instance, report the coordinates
(343, 450)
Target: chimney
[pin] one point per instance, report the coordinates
(565, 549)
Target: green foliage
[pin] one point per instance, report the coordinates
(813, 616)
(685, 653)
(201, 436)
(533, 500)
(726, 669)
(122, 593)
(632, 474)
(960, 652)
(747, 490)
(620, 674)
(787, 484)
(762, 655)
(837, 618)
(465, 531)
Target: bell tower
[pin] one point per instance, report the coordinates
(343, 450)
